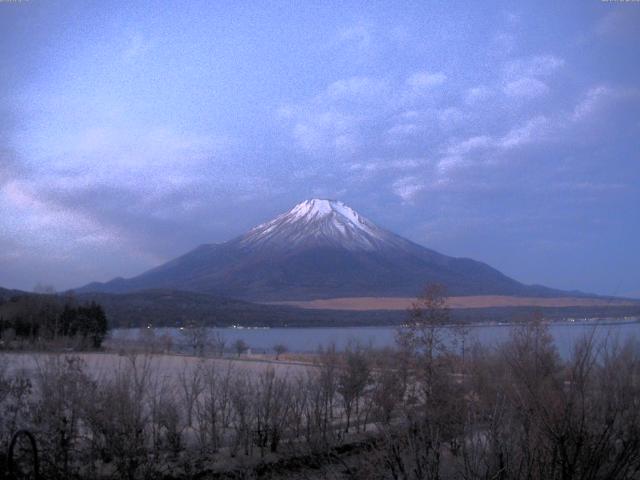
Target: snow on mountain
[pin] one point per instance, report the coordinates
(319, 249)
(320, 222)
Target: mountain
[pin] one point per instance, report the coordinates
(319, 249)
(6, 294)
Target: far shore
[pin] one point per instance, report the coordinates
(623, 320)
(474, 301)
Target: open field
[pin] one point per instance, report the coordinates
(476, 301)
(168, 366)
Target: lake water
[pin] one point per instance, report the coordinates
(309, 339)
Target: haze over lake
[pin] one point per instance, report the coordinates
(306, 340)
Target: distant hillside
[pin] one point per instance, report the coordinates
(6, 294)
(171, 308)
(175, 308)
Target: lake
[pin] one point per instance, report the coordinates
(309, 339)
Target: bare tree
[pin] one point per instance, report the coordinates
(191, 386)
(434, 401)
(388, 391)
(424, 331)
(118, 419)
(196, 337)
(299, 404)
(240, 396)
(62, 386)
(271, 405)
(461, 333)
(166, 341)
(15, 393)
(213, 407)
(240, 346)
(353, 379)
(423, 339)
(520, 411)
(280, 348)
(322, 384)
(147, 337)
(218, 343)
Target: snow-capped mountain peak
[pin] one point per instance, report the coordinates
(318, 249)
(319, 222)
(317, 208)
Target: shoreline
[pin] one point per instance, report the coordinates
(569, 322)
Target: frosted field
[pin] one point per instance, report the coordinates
(168, 367)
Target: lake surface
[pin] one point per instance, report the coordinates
(310, 339)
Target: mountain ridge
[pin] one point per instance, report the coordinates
(320, 249)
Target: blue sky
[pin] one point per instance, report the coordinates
(508, 132)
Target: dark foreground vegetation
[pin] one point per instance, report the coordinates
(49, 321)
(419, 411)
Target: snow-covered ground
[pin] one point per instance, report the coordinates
(169, 366)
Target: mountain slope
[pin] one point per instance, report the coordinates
(6, 294)
(172, 308)
(319, 249)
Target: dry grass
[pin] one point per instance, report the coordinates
(169, 366)
(477, 301)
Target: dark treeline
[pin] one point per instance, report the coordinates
(170, 308)
(422, 410)
(46, 319)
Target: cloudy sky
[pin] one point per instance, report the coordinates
(131, 132)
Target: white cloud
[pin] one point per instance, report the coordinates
(535, 66)
(526, 88)
(382, 165)
(591, 101)
(503, 42)
(67, 197)
(286, 112)
(407, 188)
(327, 132)
(332, 122)
(422, 81)
(533, 130)
(449, 163)
(346, 143)
(356, 89)
(358, 36)
(522, 78)
(34, 218)
(403, 130)
(477, 94)
(110, 151)
(450, 117)
(599, 97)
(463, 154)
(469, 145)
(137, 46)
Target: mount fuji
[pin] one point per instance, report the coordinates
(320, 249)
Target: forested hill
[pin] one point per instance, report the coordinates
(175, 308)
